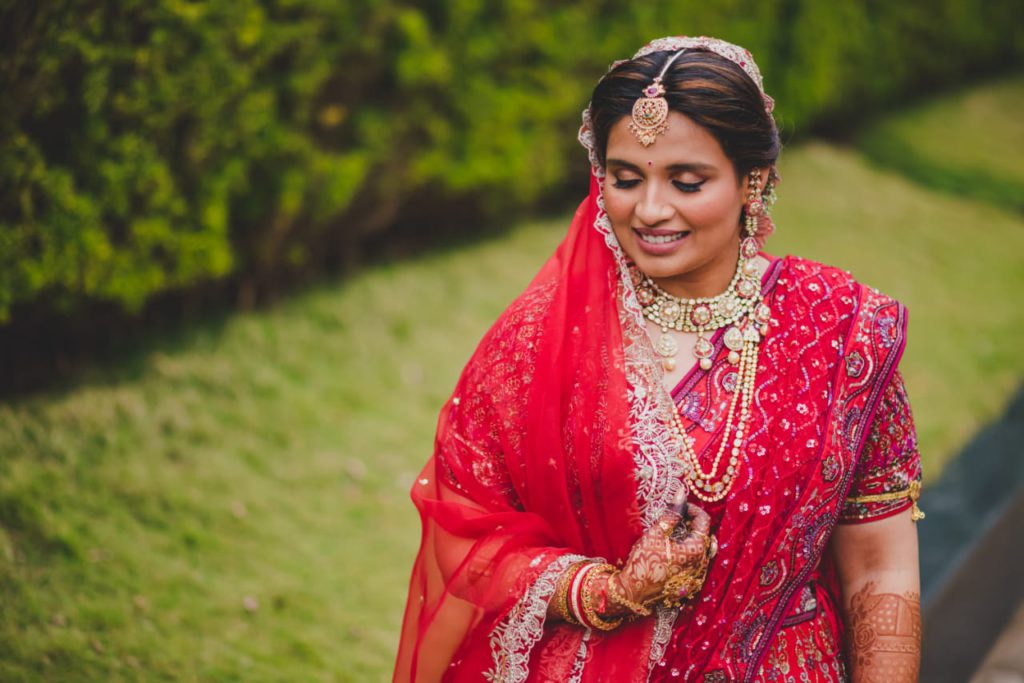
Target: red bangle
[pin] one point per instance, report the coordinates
(590, 616)
(576, 594)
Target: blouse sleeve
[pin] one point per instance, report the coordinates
(888, 477)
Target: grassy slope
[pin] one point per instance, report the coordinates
(967, 144)
(268, 456)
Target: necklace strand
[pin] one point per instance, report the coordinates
(741, 308)
(702, 314)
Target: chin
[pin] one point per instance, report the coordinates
(661, 270)
(666, 266)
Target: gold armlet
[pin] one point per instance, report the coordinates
(913, 492)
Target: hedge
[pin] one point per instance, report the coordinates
(153, 145)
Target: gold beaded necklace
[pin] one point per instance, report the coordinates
(742, 308)
(702, 483)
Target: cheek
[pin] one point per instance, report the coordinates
(710, 208)
(619, 207)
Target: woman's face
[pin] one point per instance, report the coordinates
(675, 206)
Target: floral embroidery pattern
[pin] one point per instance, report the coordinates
(804, 653)
(770, 573)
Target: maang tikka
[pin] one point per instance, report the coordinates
(650, 112)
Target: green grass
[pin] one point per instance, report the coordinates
(269, 457)
(967, 144)
(231, 503)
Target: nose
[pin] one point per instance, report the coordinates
(652, 208)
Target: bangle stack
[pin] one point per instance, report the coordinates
(589, 611)
(562, 592)
(576, 599)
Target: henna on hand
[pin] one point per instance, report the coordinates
(665, 549)
(884, 636)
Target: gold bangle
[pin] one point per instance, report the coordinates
(560, 601)
(621, 599)
(589, 612)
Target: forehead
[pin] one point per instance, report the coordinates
(683, 142)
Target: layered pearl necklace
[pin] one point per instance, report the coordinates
(742, 309)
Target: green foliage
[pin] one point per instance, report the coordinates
(150, 145)
(966, 144)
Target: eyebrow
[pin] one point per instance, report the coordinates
(696, 167)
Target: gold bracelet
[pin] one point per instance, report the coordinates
(589, 612)
(687, 583)
(680, 588)
(560, 601)
(621, 599)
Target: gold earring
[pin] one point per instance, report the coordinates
(754, 207)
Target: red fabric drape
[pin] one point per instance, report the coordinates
(532, 463)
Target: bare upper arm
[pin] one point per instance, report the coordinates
(873, 549)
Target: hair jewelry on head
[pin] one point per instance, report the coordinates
(647, 110)
(734, 53)
(650, 112)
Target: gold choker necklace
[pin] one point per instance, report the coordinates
(740, 301)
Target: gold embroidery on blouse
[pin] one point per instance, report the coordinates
(913, 492)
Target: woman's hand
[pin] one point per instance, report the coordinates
(669, 562)
(666, 550)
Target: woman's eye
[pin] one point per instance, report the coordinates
(688, 187)
(625, 184)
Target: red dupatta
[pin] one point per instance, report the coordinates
(534, 468)
(555, 446)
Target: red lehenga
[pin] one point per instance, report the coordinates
(556, 445)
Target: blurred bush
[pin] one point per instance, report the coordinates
(152, 145)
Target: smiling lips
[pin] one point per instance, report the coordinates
(658, 242)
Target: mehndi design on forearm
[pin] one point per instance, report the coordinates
(884, 636)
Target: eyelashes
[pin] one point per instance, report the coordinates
(681, 186)
(688, 187)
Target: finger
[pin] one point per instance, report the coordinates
(679, 503)
(699, 520)
(666, 524)
(692, 546)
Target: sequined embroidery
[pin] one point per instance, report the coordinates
(888, 474)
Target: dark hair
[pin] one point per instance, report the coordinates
(704, 86)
